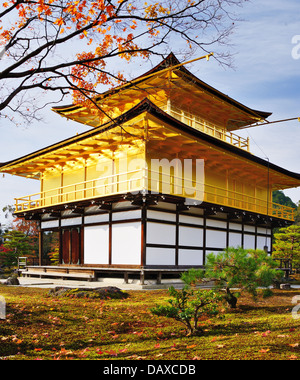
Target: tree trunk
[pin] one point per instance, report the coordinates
(231, 299)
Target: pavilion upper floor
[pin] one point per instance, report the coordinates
(148, 151)
(179, 93)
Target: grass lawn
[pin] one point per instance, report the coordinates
(41, 327)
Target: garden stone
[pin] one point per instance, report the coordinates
(285, 286)
(13, 280)
(109, 292)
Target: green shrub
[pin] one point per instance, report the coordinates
(190, 304)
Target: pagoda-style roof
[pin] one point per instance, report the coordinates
(164, 133)
(160, 85)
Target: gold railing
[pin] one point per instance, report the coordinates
(144, 181)
(208, 128)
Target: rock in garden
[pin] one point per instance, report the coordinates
(109, 292)
(13, 280)
(285, 286)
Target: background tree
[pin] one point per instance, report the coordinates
(20, 239)
(4, 257)
(297, 215)
(287, 244)
(17, 244)
(244, 269)
(3, 230)
(51, 246)
(63, 46)
(8, 211)
(30, 229)
(282, 199)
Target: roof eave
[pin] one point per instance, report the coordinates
(169, 61)
(147, 105)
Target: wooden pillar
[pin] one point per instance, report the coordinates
(60, 245)
(272, 238)
(42, 188)
(255, 246)
(204, 238)
(40, 246)
(177, 238)
(243, 232)
(143, 235)
(227, 231)
(110, 237)
(61, 190)
(85, 177)
(81, 260)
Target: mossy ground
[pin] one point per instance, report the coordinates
(38, 326)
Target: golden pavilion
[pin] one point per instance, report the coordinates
(160, 179)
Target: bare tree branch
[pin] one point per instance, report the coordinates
(37, 43)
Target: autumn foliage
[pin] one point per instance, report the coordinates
(73, 47)
(20, 240)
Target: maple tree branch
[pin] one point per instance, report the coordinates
(116, 28)
(11, 8)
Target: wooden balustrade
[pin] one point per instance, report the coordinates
(144, 181)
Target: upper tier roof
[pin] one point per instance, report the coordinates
(166, 81)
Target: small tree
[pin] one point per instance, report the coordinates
(18, 244)
(243, 269)
(5, 256)
(189, 304)
(54, 256)
(287, 244)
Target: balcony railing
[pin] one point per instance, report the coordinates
(208, 128)
(144, 181)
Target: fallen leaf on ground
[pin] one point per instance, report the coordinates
(264, 351)
(293, 357)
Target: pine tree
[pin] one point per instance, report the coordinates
(287, 244)
(18, 244)
(246, 270)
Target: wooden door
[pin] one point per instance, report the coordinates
(75, 246)
(71, 246)
(66, 247)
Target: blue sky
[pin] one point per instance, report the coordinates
(265, 76)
